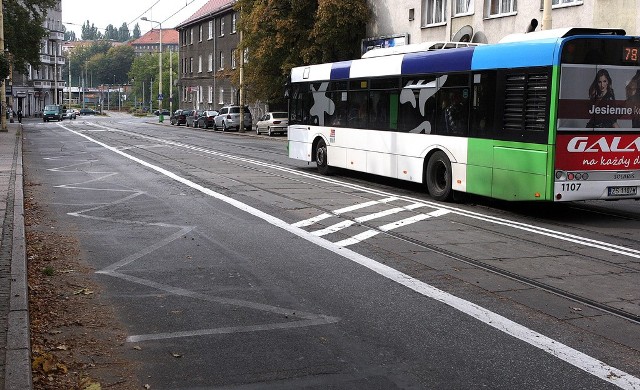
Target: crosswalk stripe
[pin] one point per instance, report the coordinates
(333, 228)
(311, 221)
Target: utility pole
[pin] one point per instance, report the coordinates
(241, 85)
(547, 24)
(3, 121)
(170, 80)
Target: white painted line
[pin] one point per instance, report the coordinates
(333, 228)
(358, 238)
(311, 221)
(555, 348)
(364, 205)
(390, 226)
(404, 222)
(380, 214)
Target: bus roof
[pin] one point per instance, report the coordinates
(514, 51)
(417, 47)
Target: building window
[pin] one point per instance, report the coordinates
(199, 94)
(222, 26)
(234, 54)
(501, 7)
(221, 61)
(462, 7)
(433, 12)
(234, 20)
(210, 66)
(211, 29)
(191, 36)
(199, 64)
(562, 3)
(200, 33)
(190, 64)
(210, 100)
(221, 96)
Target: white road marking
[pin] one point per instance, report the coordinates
(311, 221)
(333, 228)
(572, 356)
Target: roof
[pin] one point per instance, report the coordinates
(211, 8)
(169, 37)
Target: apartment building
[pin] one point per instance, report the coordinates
(487, 21)
(42, 84)
(150, 42)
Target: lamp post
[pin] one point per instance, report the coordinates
(160, 116)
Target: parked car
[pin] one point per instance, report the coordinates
(273, 122)
(164, 112)
(205, 120)
(178, 118)
(229, 118)
(196, 118)
(70, 114)
(52, 112)
(88, 111)
(190, 117)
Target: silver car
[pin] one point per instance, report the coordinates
(229, 118)
(273, 122)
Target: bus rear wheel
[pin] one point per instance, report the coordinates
(321, 158)
(438, 176)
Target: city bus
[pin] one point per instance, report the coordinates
(545, 116)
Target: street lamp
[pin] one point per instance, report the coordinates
(160, 117)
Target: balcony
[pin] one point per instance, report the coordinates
(48, 59)
(56, 36)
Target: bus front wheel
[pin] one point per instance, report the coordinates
(321, 158)
(438, 176)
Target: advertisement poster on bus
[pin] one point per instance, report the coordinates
(598, 97)
(598, 123)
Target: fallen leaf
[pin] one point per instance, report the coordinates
(176, 355)
(138, 348)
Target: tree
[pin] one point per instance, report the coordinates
(80, 57)
(24, 30)
(123, 33)
(280, 35)
(136, 32)
(144, 69)
(90, 32)
(110, 33)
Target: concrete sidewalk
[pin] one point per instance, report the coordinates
(15, 361)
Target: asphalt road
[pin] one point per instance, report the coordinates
(261, 274)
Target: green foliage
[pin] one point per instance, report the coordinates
(90, 32)
(23, 30)
(136, 32)
(282, 34)
(145, 69)
(100, 63)
(4, 66)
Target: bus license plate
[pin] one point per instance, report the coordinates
(622, 191)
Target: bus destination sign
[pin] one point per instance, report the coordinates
(631, 54)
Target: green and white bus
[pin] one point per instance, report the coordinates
(550, 116)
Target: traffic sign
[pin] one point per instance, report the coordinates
(160, 97)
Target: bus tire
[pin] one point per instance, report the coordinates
(321, 158)
(438, 176)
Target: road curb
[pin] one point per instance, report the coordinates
(18, 354)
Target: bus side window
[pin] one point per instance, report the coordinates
(301, 101)
(383, 103)
(453, 105)
(483, 105)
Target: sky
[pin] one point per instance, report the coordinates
(102, 13)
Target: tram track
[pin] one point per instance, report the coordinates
(245, 161)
